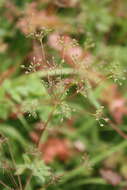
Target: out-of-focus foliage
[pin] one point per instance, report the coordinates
(63, 100)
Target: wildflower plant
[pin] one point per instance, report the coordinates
(81, 77)
(57, 89)
(60, 88)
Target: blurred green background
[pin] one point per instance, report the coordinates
(79, 146)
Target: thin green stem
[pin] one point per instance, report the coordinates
(14, 164)
(46, 124)
(43, 51)
(55, 72)
(28, 181)
(4, 185)
(50, 116)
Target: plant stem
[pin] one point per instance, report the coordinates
(43, 52)
(6, 186)
(55, 72)
(14, 164)
(28, 181)
(46, 124)
(50, 116)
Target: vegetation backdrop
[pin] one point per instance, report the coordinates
(63, 98)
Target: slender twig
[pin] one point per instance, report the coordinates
(46, 124)
(55, 72)
(28, 181)
(43, 52)
(118, 130)
(14, 164)
(6, 186)
(12, 179)
(50, 115)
